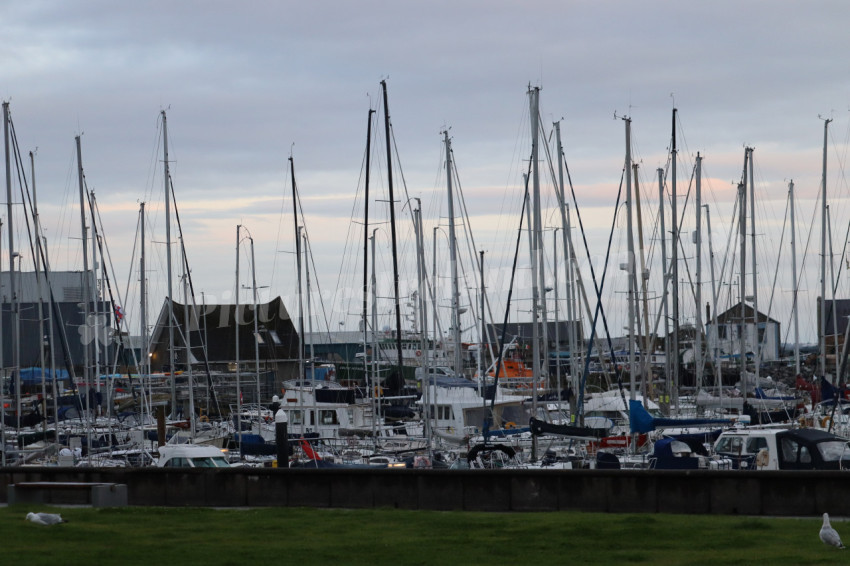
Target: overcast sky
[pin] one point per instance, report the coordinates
(247, 85)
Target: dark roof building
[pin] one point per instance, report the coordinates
(213, 333)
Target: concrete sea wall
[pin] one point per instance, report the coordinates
(620, 491)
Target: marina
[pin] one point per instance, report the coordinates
(252, 385)
(548, 308)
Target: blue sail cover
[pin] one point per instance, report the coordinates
(640, 421)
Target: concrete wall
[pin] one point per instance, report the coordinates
(620, 491)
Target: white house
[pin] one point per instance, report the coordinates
(726, 335)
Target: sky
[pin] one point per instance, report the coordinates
(247, 86)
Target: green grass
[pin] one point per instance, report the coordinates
(152, 535)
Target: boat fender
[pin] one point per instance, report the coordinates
(762, 458)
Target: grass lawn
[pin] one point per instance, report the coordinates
(177, 536)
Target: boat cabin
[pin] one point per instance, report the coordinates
(191, 456)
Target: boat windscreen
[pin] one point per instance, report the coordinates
(834, 450)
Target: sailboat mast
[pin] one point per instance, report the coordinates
(822, 329)
(38, 282)
(168, 263)
(557, 321)
(374, 387)
(698, 330)
(643, 274)
(568, 264)
(481, 381)
(423, 316)
(86, 281)
(306, 248)
(665, 306)
(95, 320)
(256, 329)
(742, 332)
(715, 361)
(298, 273)
(630, 265)
(187, 328)
(143, 292)
(393, 229)
(756, 340)
(12, 256)
(237, 320)
(535, 251)
(366, 243)
(458, 364)
(674, 259)
(794, 279)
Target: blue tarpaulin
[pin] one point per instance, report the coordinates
(33, 375)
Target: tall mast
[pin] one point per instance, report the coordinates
(423, 335)
(832, 280)
(568, 264)
(187, 317)
(38, 282)
(667, 358)
(298, 273)
(168, 263)
(756, 340)
(13, 255)
(643, 274)
(143, 286)
(458, 364)
(534, 95)
(143, 292)
(237, 320)
(95, 322)
(794, 279)
(366, 244)
(714, 359)
(823, 251)
(557, 321)
(256, 329)
(481, 381)
(374, 382)
(742, 222)
(698, 358)
(437, 337)
(86, 281)
(630, 265)
(674, 259)
(309, 305)
(393, 230)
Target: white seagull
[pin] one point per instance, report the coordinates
(829, 535)
(47, 518)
